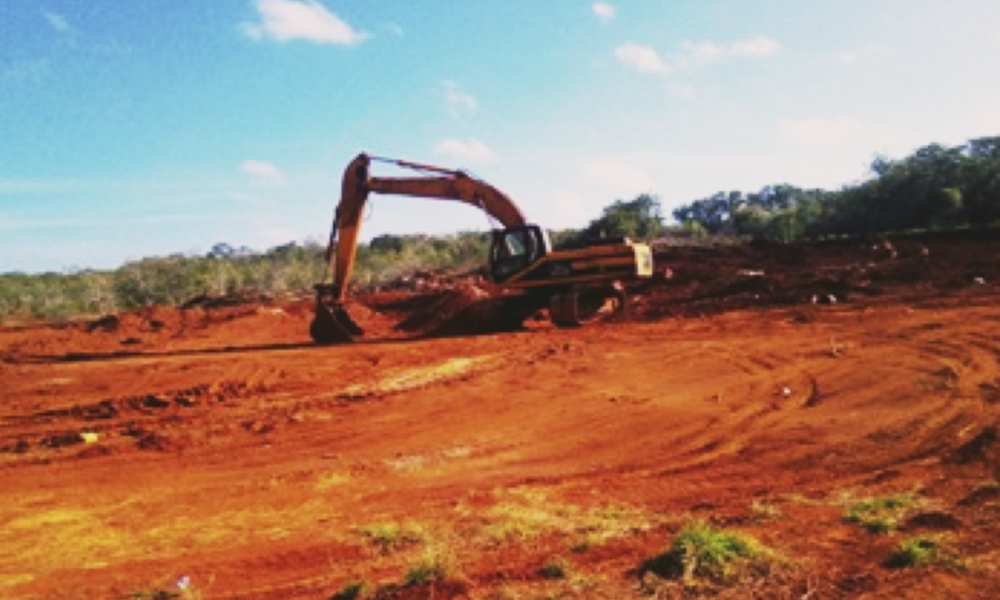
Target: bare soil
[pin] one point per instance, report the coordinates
(763, 388)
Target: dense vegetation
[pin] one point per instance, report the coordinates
(934, 188)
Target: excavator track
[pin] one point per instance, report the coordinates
(575, 308)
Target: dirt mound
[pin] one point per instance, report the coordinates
(437, 310)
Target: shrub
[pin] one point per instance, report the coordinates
(556, 567)
(701, 549)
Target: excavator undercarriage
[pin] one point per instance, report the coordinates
(575, 286)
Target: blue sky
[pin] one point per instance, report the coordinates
(146, 127)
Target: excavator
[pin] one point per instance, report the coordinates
(576, 286)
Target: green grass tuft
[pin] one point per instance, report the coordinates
(392, 536)
(879, 515)
(702, 550)
(432, 566)
(919, 551)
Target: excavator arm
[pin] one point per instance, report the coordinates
(448, 185)
(332, 323)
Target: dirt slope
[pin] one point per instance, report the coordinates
(219, 445)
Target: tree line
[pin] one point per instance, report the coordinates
(934, 188)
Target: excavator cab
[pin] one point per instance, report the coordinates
(515, 249)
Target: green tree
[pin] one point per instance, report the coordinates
(639, 218)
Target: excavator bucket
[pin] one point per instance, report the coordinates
(332, 324)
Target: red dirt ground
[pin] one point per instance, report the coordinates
(762, 388)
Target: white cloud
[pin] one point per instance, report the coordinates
(646, 59)
(57, 21)
(835, 133)
(457, 100)
(262, 173)
(471, 150)
(642, 58)
(285, 20)
(755, 47)
(620, 178)
(703, 53)
(603, 11)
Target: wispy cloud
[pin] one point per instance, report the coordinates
(262, 173)
(395, 29)
(98, 222)
(646, 59)
(620, 177)
(57, 22)
(682, 91)
(24, 71)
(467, 150)
(603, 11)
(834, 133)
(859, 55)
(641, 58)
(458, 101)
(286, 20)
(702, 53)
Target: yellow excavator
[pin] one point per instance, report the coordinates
(576, 286)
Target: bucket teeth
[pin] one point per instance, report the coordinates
(333, 326)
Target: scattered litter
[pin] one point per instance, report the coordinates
(750, 273)
(89, 437)
(183, 582)
(979, 280)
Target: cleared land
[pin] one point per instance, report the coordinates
(835, 401)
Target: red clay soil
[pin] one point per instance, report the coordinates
(214, 452)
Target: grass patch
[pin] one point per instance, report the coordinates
(527, 514)
(588, 541)
(879, 515)
(762, 511)
(702, 550)
(919, 551)
(432, 566)
(393, 536)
